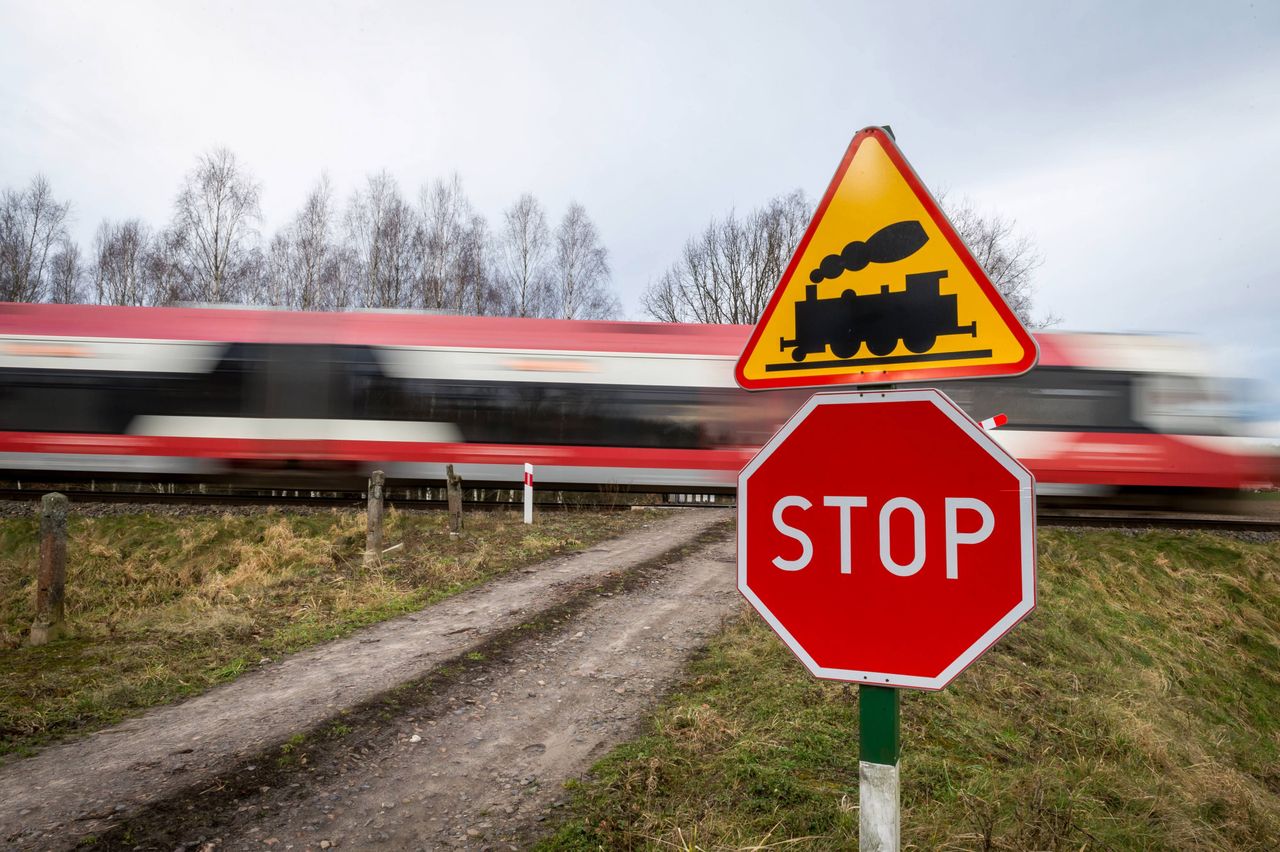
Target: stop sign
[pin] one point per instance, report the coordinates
(886, 537)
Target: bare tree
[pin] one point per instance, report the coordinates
(66, 274)
(343, 291)
(120, 267)
(32, 223)
(302, 266)
(726, 274)
(1009, 258)
(382, 230)
(523, 259)
(478, 285)
(271, 272)
(445, 215)
(775, 232)
(217, 214)
(168, 275)
(581, 269)
(318, 270)
(381, 252)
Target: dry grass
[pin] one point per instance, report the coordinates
(163, 606)
(1138, 708)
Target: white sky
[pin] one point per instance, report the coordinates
(1138, 144)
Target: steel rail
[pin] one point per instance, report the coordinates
(1158, 520)
(1047, 517)
(352, 500)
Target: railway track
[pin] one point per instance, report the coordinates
(1128, 519)
(1045, 516)
(300, 498)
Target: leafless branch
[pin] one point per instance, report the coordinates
(32, 223)
(727, 273)
(524, 258)
(216, 215)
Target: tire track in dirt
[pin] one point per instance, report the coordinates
(480, 763)
(93, 786)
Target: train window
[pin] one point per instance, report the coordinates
(48, 401)
(1054, 398)
(108, 401)
(528, 412)
(96, 402)
(1181, 404)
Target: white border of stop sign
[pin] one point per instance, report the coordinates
(1026, 521)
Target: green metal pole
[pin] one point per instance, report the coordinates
(879, 814)
(878, 724)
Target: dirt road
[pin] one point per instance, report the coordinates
(452, 728)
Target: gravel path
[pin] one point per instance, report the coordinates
(573, 685)
(481, 765)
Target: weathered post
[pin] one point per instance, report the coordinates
(52, 579)
(373, 537)
(453, 489)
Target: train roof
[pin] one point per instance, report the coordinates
(1137, 353)
(372, 328)
(416, 329)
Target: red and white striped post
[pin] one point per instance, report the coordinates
(994, 422)
(528, 493)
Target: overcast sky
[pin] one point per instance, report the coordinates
(1138, 144)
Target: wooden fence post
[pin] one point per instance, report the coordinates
(51, 581)
(373, 537)
(453, 489)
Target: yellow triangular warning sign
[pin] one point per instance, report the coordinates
(882, 290)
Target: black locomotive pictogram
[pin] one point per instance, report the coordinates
(917, 315)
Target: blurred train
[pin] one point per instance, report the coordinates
(308, 398)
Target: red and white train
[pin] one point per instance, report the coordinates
(215, 392)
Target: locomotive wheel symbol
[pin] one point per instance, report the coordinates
(920, 343)
(882, 345)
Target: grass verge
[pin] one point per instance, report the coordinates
(1137, 708)
(162, 607)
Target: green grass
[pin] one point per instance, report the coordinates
(1137, 708)
(162, 607)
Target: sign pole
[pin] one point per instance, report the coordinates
(832, 320)
(879, 815)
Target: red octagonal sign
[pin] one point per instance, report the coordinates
(886, 537)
